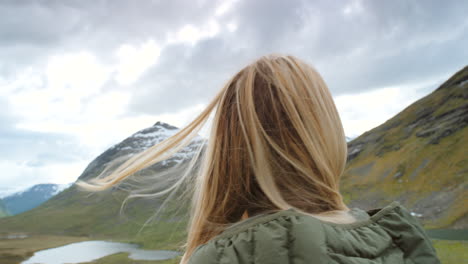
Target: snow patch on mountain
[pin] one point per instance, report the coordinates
(48, 190)
(150, 136)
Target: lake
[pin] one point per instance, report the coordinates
(91, 250)
(448, 234)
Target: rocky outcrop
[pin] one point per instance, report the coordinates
(434, 128)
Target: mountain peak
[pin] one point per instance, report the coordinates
(140, 141)
(164, 125)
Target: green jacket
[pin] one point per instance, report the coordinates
(387, 235)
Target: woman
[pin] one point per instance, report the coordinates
(267, 190)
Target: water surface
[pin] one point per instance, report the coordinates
(448, 234)
(91, 250)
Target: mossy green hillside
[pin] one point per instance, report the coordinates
(418, 157)
(97, 216)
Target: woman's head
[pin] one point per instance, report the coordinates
(276, 142)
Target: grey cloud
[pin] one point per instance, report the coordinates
(384, 43)
(31, 30)
(269, 25)
(186, 76)
(35, 23)
(51, 22)
(400, 41)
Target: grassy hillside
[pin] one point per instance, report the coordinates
(418, 157)
(76, 213)
(3, 210)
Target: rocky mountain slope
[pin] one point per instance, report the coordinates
(419, 157)
(138, 142)
(31, 197)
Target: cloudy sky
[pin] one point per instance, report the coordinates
(77, 77)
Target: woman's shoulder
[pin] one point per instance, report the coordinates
(285, 218)
(278, 237)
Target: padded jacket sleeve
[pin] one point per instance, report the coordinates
(409, 235)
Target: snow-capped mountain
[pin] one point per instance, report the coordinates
(140, 141)
(32, 197)
(148, 137)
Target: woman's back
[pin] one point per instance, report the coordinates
(388, 235)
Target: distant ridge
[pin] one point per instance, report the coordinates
(31, 197)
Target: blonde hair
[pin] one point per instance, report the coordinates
(276, 142)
